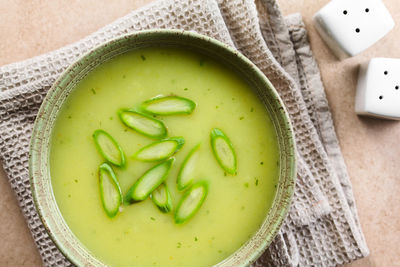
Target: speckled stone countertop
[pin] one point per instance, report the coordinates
(371, 147)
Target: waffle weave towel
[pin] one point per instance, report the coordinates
(322, 227)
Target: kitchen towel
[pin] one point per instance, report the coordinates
(322, 227)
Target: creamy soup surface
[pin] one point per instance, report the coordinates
(141, 235)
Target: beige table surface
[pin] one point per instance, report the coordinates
(371, 147)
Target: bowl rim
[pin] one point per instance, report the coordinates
(285, 190)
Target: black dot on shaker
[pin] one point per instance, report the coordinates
(345, 12)
(357, 30)
(381, 97)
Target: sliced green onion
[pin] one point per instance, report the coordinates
(160, 150)
(110, 192)
(168, 105)
(162, 198)
(223, 151)
(143, 123)
(149, 181)
(109, 148)
(186, 172)
(191, 202)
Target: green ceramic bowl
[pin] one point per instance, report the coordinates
(42, 190)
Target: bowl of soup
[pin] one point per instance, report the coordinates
(162, 148)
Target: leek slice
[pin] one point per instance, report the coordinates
(162, 198)
(191, 202)
(109, 148)
(223, 151)
(168, 105)
(149, 181)
(160, 150)
(186, 172)
(110, 191)
(143, 123)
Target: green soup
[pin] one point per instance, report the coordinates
(141, 235)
